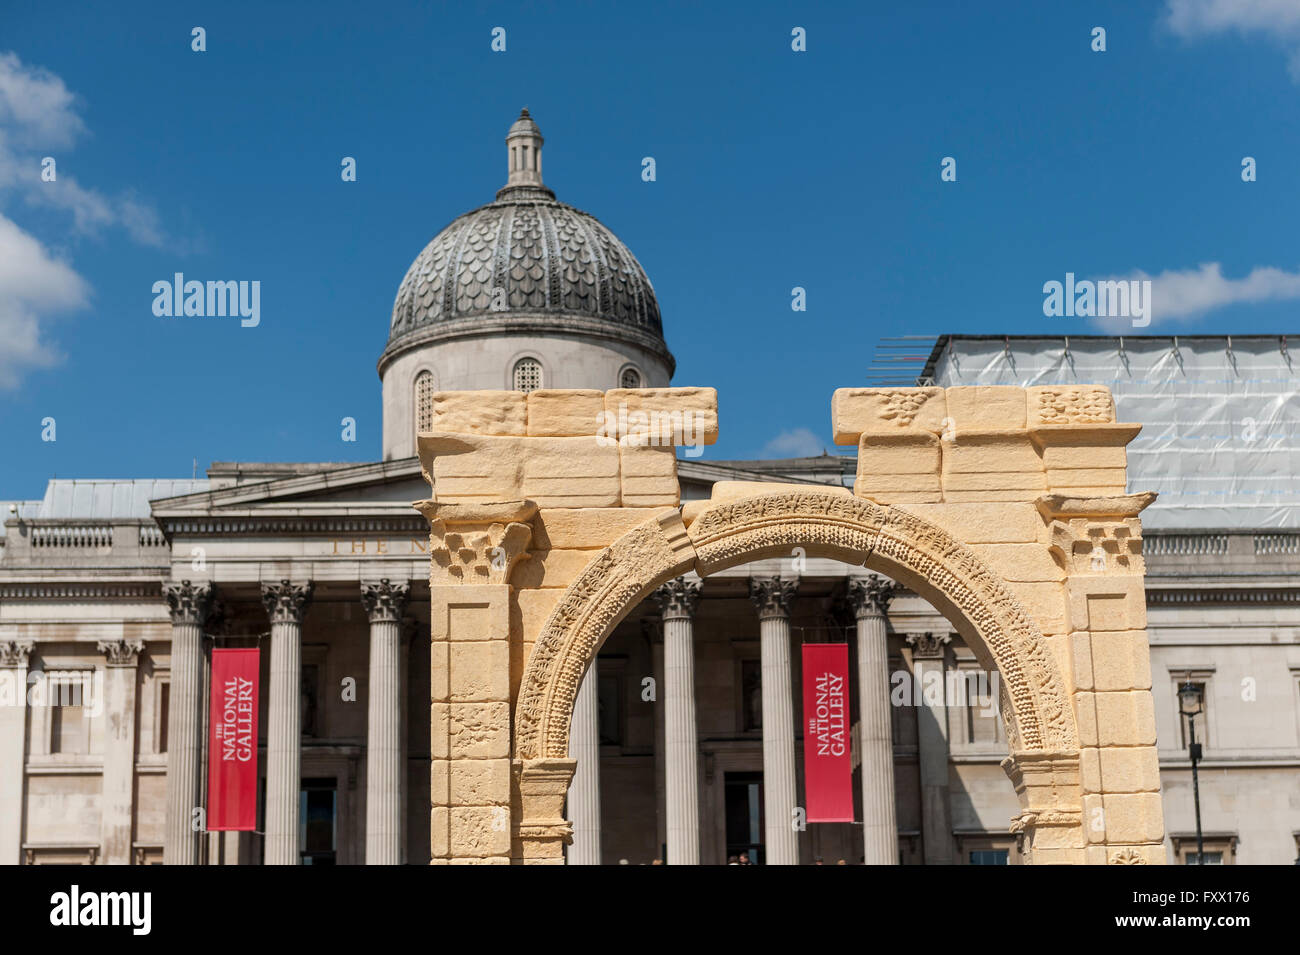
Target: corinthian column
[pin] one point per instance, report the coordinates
(932, 746)
(772, 596)
(584, 791)
(677, 601)
(870, 598)
(189, 605)
(122, 659)
(384, 602)
(285, 603)
(14, 655)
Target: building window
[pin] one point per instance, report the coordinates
(424, 402)
(1220, 848)
(527, 375)
(975, 696)
(70, 693)
(630, 378)
(308, 700)
(164, 712)
(990, 857)
(751, 695)
(609, 690)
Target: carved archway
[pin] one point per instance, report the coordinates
(887, 539)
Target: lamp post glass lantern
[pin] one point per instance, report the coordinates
(1190, 703)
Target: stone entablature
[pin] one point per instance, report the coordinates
(1003, 507)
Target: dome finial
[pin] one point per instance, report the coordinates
(524, 153)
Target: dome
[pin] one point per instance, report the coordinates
(526, 263)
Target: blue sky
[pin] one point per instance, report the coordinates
(776, 169)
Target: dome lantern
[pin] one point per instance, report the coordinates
(524, 157)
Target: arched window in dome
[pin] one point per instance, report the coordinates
(527, 375)
(424, 402)
(629, 377)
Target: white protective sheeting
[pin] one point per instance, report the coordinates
(1220, 440)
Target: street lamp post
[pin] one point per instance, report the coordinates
(1189, 705)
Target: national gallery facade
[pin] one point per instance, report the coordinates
(687, 728)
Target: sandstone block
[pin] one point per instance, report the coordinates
(996, 452)
(648, 475)
(1121, 660)
(552, 568)
(907, 452)
(1133, 817)
(480, 412)
(557, 412)
(1123, 718)
(859, 411)
(478, 831)
(479, 730)
(480, 782)
(581, 527)
(439, 790)
(1025, 562)
(689, 415)
(985, 523)
(480, 671)
(1070, 405)
(985, 406)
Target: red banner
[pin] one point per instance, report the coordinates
(827, 766)
(232, 741)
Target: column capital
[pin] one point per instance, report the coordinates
(772, 595)
(121, 653)
(385, 599)
(286, 600)
(188, 602)
(15, 653)
(928, 646)
(871, 596)
(678, 598)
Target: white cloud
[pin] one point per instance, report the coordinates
(38, 118)
(1276, 19)
(1191, 293)
(798, 443)
(32, 284)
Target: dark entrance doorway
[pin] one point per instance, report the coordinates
(744, 802)
(318, 820)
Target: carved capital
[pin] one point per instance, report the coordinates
(678, 598)
(541, 786)
(772, 595)
(15, 653)
(384, 600)
(928, 646)
(121, 653)
(188, 602)
(477, 543)
(1093, 546)
(871, 596)
(286, 601)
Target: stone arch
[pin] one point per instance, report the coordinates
(833, 524)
